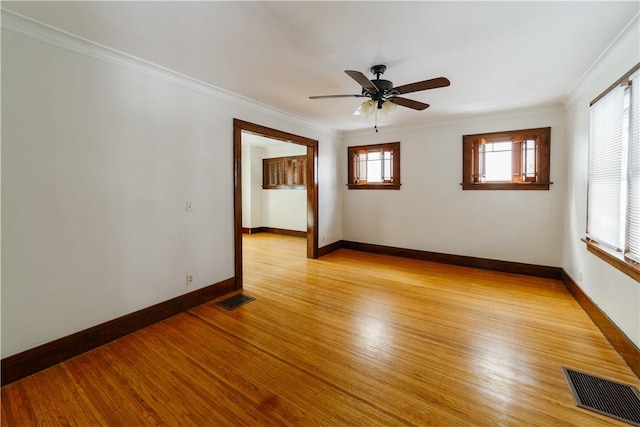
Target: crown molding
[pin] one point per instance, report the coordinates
(624, 46)
(42, 32)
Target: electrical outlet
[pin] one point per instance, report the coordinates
(189, 279)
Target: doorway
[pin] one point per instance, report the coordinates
(240, 126)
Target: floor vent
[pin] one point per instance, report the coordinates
(610, 398)
(235, 301)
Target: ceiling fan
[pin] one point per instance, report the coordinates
(383, 94)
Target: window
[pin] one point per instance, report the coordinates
(374, 166)
(284, 173)
(613, 194)
(510, 160)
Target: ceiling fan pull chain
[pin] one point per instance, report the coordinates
(375, 126)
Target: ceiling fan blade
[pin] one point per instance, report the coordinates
(410, 103)
(337, 96)
(423, 85)
(362, 80)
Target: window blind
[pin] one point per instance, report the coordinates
(633, 210)
(606, 198)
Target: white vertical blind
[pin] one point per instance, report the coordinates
(606, 189)
(633, 211)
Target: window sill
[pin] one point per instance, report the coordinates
(373, 186)
(614, 258)
(285, 187)
(506, 185)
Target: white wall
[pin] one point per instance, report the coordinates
(431, 212)
(615, 293)
(99, 154)
(252, 156)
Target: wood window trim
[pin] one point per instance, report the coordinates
(506, 186)
(613, 258)
(291, 173)
(543, 157)
(394, 147)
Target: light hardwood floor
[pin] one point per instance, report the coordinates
(349, 339)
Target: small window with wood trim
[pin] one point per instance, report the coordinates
(374, 166)
(284, 173)
(510, 160)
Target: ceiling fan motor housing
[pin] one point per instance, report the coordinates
(383, 85)
(383, 92)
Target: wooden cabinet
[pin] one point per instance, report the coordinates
(284, 173)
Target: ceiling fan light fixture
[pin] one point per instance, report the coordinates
(388, 108)
(367, 108)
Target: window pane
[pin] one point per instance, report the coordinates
(479, 174)
(606, 163)
(387, 166)
(500, 146)
(529, 159)
(497, 161)
(374, 166)
(361, 167)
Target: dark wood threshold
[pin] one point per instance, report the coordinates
(461, 260)
(273, 230)
(44, 356)
(623, 345)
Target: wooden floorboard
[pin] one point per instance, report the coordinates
(350, 339)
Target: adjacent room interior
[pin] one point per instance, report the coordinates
(274, 192)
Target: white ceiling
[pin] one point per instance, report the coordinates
(498, 55)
